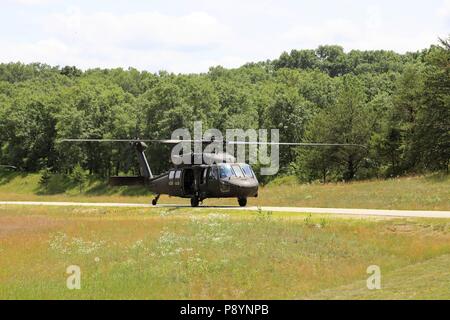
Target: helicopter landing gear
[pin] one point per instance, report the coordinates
(194, 202)
(155, 201)
(242, 202)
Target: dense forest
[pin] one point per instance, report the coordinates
(396, 104)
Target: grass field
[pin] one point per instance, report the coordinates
(183, 253)
(424, 192)
(200, 254)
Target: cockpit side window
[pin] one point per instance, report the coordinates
(225, 171)
(213, 173)
(247, 170)
(237, 171)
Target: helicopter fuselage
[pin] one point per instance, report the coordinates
(207, 181)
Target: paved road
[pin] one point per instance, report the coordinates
(354, 212)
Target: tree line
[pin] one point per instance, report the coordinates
(395, 104)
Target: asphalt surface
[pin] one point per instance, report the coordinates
(334, 211)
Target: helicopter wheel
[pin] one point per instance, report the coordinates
(155, 201)
(242, 202)
(194, 202)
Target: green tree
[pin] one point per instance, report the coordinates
(432, 135)
(79, 176)
(28, 127)
(289, 112)
(349, 121)
(407, 99)
(44, 180)
(332, 60)
(317, 163)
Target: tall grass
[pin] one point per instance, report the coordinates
(190, 254)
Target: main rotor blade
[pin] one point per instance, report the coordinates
(168, 141)
(176, 141)
(7, 166)
(298, 144)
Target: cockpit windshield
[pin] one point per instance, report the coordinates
(225, 171)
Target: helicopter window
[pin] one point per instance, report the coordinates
(171, 175)
(204, 175)
(177, 177)
(225, 171)
(247, 170)
(237, 170)
(213, 173)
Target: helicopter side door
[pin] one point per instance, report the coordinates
(188, 182)
(213, 184)
(203, 185)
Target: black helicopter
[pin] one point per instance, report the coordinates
(217, 176)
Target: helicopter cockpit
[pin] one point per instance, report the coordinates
(235, 170)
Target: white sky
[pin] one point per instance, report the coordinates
(192, 35)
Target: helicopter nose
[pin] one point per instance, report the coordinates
(246, 188)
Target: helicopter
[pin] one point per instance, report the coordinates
(216, 175)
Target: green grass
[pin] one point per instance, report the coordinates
(202, 254)
(425, 280)
(422, 192)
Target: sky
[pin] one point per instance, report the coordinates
(193, 35)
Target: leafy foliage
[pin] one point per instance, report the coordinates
(396, 104)
(44, 180)
(79, 176)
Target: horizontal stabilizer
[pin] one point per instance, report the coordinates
(127, 181)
